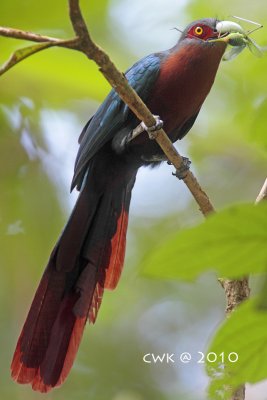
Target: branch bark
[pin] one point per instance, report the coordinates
(236, 291)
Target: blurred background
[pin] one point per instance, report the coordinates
(44, 103)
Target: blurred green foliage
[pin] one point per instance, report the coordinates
(245, 332)
(231, 242)
(228, 150)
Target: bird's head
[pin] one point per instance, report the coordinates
(208, 32)
(214, 36)
(202, 30)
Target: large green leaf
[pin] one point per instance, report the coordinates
(232, 242)
(244, 334)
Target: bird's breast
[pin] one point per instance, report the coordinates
(185, 79)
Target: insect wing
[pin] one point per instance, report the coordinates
(233, 53)
(253, 47)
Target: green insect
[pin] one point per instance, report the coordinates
(238, 38)
(239, 42)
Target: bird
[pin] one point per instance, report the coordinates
(89, 254)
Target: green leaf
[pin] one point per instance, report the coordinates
(232, 242)
(243, 333)
(23, 53)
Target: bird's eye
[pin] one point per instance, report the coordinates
(198, 30)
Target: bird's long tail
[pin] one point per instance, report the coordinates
(87, 258)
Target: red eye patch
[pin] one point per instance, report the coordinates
(201, 31)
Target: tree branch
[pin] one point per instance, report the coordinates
(130, 97)
(78, 23)
(84, 44)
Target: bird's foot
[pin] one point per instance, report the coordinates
(153, 130)
(181, 172)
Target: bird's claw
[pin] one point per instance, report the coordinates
(153, 130)
(181, 172)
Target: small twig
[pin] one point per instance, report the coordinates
(44, 42)
(263, 193)
(24, 35)
(35, 37)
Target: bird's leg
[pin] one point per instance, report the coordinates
(129, 137)
(180, 173)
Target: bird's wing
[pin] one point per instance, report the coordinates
(113, 113)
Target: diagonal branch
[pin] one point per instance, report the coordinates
(83, 43)
(130, 97)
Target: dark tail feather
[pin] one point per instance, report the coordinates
(87, 258)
